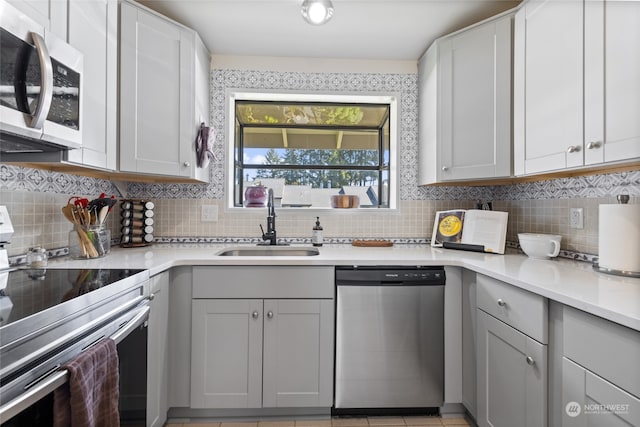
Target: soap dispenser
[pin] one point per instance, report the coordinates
(316, 238)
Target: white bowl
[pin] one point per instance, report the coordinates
(540, 246)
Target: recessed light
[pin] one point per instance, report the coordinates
(317, 12)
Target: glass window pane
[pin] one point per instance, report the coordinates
(309, 115)
(307, 152)
(314, 188)
(318, 157)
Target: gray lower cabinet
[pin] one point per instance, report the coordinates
(298, 353)
(512, 376)
(226, 354)
(158, 352)
(591, 400)
(600, 375)
(253, 353)
(469, 342)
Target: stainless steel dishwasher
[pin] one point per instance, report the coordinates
(389, 338)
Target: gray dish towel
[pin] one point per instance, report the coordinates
(90, 397)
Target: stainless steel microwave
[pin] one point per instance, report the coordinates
(40, 87)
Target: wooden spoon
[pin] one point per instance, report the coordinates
(102, 214)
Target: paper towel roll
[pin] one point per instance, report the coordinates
(619, 237)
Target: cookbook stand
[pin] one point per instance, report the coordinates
(137, 223)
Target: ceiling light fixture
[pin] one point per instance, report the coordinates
(317, 12)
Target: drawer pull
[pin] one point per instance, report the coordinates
(255, 314)
(501, 302)
(270, 314)
(530, 361)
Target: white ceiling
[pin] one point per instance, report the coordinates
(359, 29)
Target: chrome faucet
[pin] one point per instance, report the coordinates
(270, 235)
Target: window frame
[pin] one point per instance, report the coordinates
(391, 99)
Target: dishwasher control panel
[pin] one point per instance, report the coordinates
(406, 276)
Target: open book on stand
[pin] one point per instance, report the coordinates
(472, 230)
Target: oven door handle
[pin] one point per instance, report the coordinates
(130, 325)
(54, 379)
(32, 395)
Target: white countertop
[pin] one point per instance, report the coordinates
(569, 282)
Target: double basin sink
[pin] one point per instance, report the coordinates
(269, 251)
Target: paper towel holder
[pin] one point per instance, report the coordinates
(623, 199)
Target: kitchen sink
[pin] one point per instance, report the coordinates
(269, 251)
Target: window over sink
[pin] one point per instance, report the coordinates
(310, 147)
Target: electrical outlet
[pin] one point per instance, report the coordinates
(209, 213)
(576, 218)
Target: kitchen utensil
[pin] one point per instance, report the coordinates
(91, 241)
(540, 246)
(81, 217)
(102, 214)
(345, 201)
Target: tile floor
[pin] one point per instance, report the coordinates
(412, 421)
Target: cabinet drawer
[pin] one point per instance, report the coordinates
(596, 343)
(525, 311)
(263, 282)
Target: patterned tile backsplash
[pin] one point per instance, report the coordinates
(34, 197)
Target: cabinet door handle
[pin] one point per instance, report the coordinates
(255, 314)
(270, 314)
(594, 145)
(152, 296)
(573, 149)
(186, 164)
(530, 361)
(445, 168)
(501, 302)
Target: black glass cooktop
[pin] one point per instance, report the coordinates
(30, 291)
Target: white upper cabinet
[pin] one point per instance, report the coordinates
(51, 14)
(576, 84)
(159, 60)
(612, 81)
(93, 30)
(465, 104)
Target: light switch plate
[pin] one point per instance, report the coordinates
(209, 213)
(576, 218)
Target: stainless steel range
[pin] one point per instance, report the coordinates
(48, 317)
